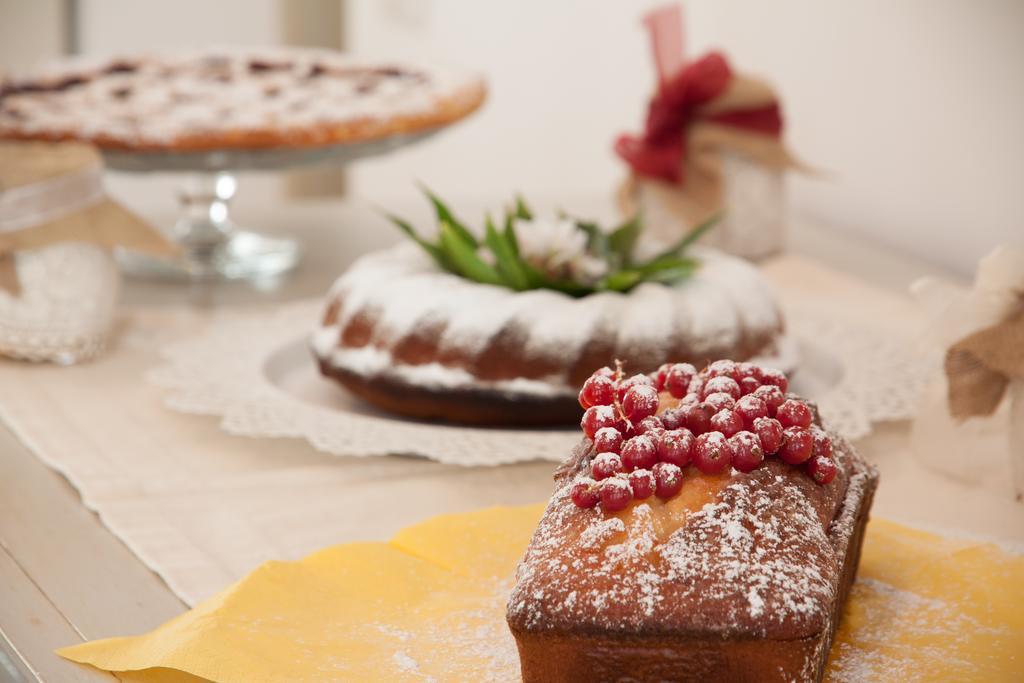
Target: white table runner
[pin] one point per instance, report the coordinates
(202, 508)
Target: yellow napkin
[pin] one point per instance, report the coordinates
(429, 605)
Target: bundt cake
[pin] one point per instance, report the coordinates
(707, 532)
(411, 338)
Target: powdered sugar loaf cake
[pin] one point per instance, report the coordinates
(709, 532)
(233, 98)
(411, 338)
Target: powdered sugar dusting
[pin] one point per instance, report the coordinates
(760, 540)
(756, 603)
(598, 535)
(899, 631)
(405, 663)
(402, 290)
(646, 323)
(474, 638)
(757, 308)
(372, 361)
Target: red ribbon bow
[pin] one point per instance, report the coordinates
(660, 151)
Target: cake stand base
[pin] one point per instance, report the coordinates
(212, 246)
(243, 255)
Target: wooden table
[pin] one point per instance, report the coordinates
(65, 578)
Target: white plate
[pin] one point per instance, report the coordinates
(257, 373)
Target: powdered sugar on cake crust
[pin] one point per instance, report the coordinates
(761, 559)
(751, 552)
(551, 327)
(643, 332)
(598, 535)
(157, 99)
(402, 293)
(372, 360)
(711, 320)
(756, 308)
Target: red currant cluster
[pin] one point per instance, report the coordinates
(729, 414)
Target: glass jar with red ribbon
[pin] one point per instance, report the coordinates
(712, 143)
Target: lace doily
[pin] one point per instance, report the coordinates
(882, 373)
(857, 376)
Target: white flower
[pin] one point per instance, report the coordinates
(487, 256)
(557, 248)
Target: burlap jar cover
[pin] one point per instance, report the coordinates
(712, 144)
(972, 425)
(58, 281)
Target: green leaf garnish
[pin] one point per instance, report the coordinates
(522, 210)
(669, 269)
(462, 254)
(435, 251)
(459, 251)
(597, 239)
(689, 238)
(507, 256)
(539, 280)
(622, 280)
(622, 240)
(510, 234)
(444, 214)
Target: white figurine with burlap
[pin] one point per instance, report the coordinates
(58, 280)
(971, 425)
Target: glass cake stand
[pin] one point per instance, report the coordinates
(213, 246)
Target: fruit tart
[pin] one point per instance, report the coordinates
(708, 527)
(233, 98)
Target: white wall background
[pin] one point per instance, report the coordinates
(29, 32)
(915, 108)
